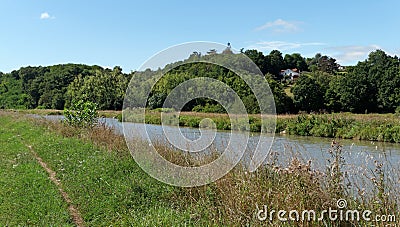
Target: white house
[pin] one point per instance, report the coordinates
(293, 74)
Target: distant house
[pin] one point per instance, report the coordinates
(291, 74)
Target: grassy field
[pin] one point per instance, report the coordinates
(27, 196)
(107, 187)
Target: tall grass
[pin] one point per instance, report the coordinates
(340, 126)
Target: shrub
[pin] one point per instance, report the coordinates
(81, 114)
(397, 111)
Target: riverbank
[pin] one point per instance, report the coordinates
(42, 112)
(370, 127)
(108, 188)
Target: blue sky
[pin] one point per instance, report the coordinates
(127, 33)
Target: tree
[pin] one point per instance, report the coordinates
(276, 62)
(283, 103)
(381, 77)
(332, 95)
(389, 90)
(355, 93)
(295, 61)
(312, 63)
(259, 59)
(308, 95)
(327, 64)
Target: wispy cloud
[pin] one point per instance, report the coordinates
(46, 16)
(353, 53)
(281, 45)
(281, 26)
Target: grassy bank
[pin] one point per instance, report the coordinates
(99, 175)
(385, 128)
(108, 188)
(373, 127)
(102, 113)
(27, 197)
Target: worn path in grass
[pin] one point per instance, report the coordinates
(106, 187)
(27, 196)
(76, 216)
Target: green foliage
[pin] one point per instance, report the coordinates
(283, 103)
(333, 95)
(156, 100)
(209, 108)
(295, 61)
(54, 87)
(334, 126)
(81, 114)
(308, 94)
(11, 95)
(189, 70)
(322, 63)
(372, 85)
(397, 111)
(107, 88)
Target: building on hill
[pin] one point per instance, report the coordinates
(290, 74)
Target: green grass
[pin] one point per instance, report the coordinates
(27, 196)
(108, 188)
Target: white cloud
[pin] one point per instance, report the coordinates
(45, 16)
(281, 45)
(281, 26)
(352, 54)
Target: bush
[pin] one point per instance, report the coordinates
(397, 111)
(81, 114)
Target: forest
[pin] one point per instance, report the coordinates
(371, 86)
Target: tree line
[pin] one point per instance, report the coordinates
(56, 87)
(373, 85)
